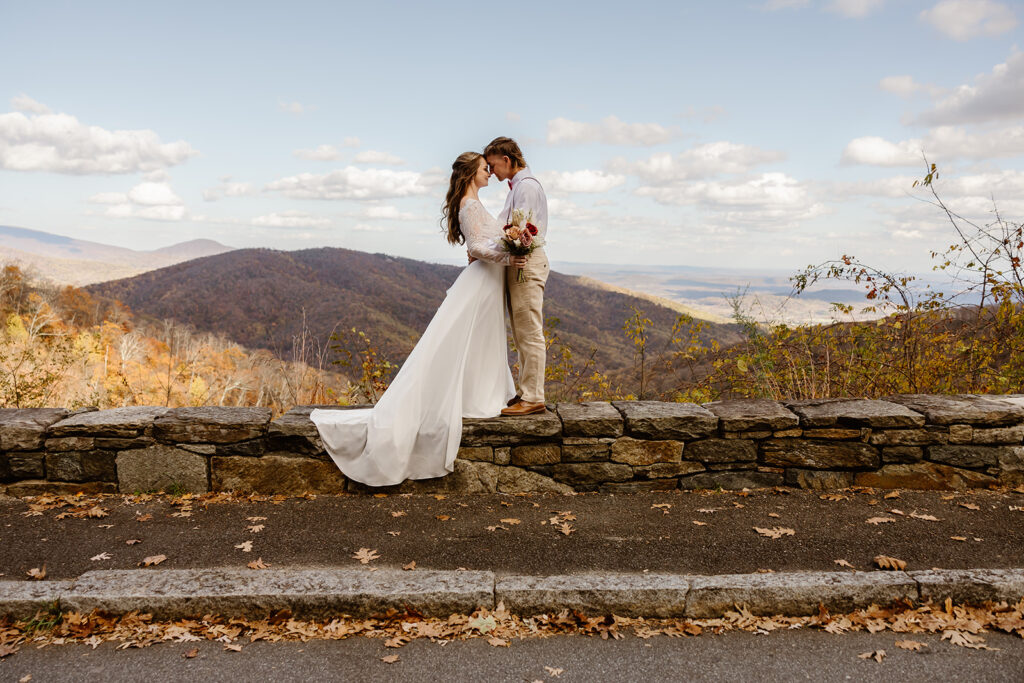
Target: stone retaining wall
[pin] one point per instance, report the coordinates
(908, 441)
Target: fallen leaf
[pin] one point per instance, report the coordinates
(833, 496)
(511, 520)
(483, 624)
(894, 511)
(133, 541)
(880, 520)
(380, 495)
(959, 538)
(6, 650)
(144, 518)
(104, 526)
(1017, 508)
(927, 518)
(37, 573)
(970, 506)
(399, 513)
(233, 647)
(553, 672)
(255, 519)
(774, 514)
(101, 556)
(707, 511)
(245, 546)
(255, 528)
(877, 655)
(910, 645)
(394, 533)
(565, 528)
(365, 555)
(443, 518)
(410, 566)
(397, 641)
(152, 560)
(258, 563)
(191, 653)
(495, 528)
(439, 496)
(775, 532)
(25, 679)
(700, 523)
(891, 494)
(664, 507)
(497, 642)
(968, 640)
(390, 659)
(885, 562)
(844, 563)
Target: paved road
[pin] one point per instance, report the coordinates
(611, 533)
(787, 656)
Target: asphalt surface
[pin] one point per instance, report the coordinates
(779, 656)
(608, 532)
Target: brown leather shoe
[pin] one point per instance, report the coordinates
(514, 400)
(524, 408)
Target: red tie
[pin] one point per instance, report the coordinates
(510, 184)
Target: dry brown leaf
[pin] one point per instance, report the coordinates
(511, 520)
(191, 653)
(553, 672)
(927, 518)
(970, 506)
(775, 532)
(959, 538)
(410, 566)
(774, 514)
(152, 560)
(497, 642)
(844, 563)
(886, 562)
(833, 496)
(133, 541)
(255, 528)
(397, 641)
(365, 555)
(258, 563)
(394, 533)
(144, 518)
(891, 494)
(880, 520)
(1017, 508)
(390, 659)
(380, 495)
(245, 546)
(233, 647)
(700, 523)
(256, 519)
(496, 527)
(910, 645)
(443, 518)
(565, 528)
(37, 573)
(439, 496)
(894, 511)
(398, 513)
(101, 556)
(877, 655)
(967, 640)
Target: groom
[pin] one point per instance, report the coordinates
(525, 300)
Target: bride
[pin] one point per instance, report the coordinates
(458, 368)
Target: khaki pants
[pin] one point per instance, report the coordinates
(525, 303)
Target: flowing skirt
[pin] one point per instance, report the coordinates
(458, 368)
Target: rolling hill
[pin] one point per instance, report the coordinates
(262, 298)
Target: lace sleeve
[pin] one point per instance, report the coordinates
(481, 233)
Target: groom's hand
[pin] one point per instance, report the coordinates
(519, 261)
(470, 257)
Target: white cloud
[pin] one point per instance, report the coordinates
(774, 5)
(562, 182)
(388, 213)
(296, 108)
(59, 143)
(854, 8)
(354, 183)
(351, 141)
(291, 219)
(28, 105)
(994, 96)
(939, 144)
(709, 159)
(609, 131)
(227, 188)
(149, 200)
(371, 156)
(906, 86)
(321, 153)
(965, 19)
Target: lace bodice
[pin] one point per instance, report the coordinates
(482, 233)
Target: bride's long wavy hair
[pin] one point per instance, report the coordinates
(463, 170)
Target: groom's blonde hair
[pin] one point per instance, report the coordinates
(506, 147)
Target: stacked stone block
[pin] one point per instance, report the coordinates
(907, 441)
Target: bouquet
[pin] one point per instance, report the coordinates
(520, 237)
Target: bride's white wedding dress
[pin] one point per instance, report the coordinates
(458, 368)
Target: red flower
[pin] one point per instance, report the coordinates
(532, 228)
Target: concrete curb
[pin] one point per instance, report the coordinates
(323, 593)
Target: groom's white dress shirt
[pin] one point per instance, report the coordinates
(527, 194)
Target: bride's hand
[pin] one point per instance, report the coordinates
(519, 261)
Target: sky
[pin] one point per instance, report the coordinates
(760, 134)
